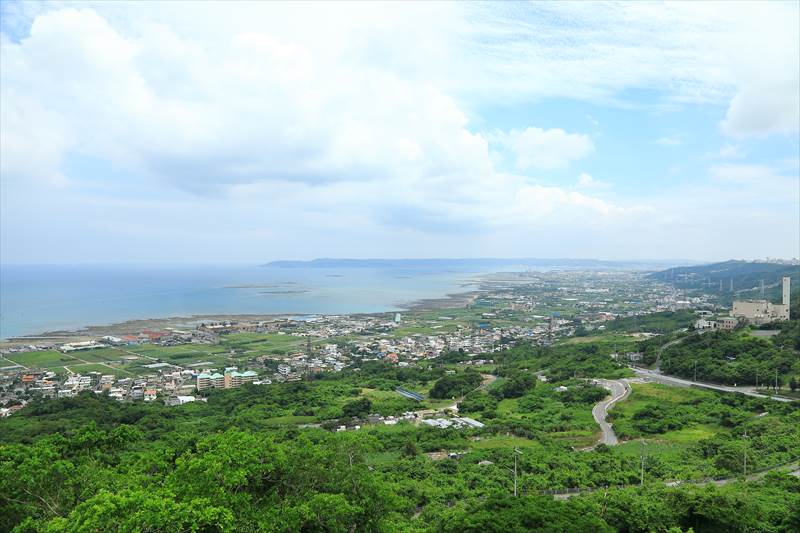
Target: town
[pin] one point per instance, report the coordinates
(180, 365)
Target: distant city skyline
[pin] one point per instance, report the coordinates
(179, 132)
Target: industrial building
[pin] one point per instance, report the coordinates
(763, 311)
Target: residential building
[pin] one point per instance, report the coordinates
(210, 380)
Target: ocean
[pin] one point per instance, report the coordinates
(40, 298)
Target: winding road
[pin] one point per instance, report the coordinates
(619, 391)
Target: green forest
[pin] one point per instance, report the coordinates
(267, 459)
(735, 358)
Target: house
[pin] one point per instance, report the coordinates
(130, 339)
(633, 356)
(179, 400)
(704, 324)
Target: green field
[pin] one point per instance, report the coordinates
(42, 359)
(85, 368)
(177, 354)
(255, 344)
(100, 355)
(681, 399)
(232, 350)
(619, 341)
(502, 441)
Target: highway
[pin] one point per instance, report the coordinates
(619, 390)
(670, 380)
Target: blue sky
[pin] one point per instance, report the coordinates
(247, 132)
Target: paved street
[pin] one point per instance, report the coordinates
(670, 380)
(619, 390)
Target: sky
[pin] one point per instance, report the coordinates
(255, 131)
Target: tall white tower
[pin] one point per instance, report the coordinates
(786, 289)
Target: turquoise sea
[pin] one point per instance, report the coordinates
(39, 298)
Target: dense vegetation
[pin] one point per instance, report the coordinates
(732, 357)
(745, 275)
(455, 385)
(251, 459)
(664, 322)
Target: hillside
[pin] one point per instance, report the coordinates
(746, 278)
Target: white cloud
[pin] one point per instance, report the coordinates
(316, 136)
(748, 174)
(740, 55)
(253, 108)
(359, 118)
(730, 151)
(544, 149)
(762, 109)
(672, 140)
(586, 181)
(686, 51)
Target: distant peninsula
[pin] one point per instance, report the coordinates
(474, 263)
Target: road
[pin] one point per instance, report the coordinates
(619, 390)
(488, 379)
(661, 351)
(670, 380)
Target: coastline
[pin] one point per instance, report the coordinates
(133, 326)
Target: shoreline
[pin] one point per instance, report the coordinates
(128, 327)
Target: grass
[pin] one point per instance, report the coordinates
(85, 368)
(578, 438)
(265, 343)
(643, 394)
(100, 355)
(374, 394)
(620, 341)
(41, 359)
(183, 351)
(382, 458)
(689, 435)
(502, 441)
(667, 451)
(507, 407)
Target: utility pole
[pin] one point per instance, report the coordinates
(745, 453)
(516, 451)
(776, 381)
(695, 369)
(641, 475)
